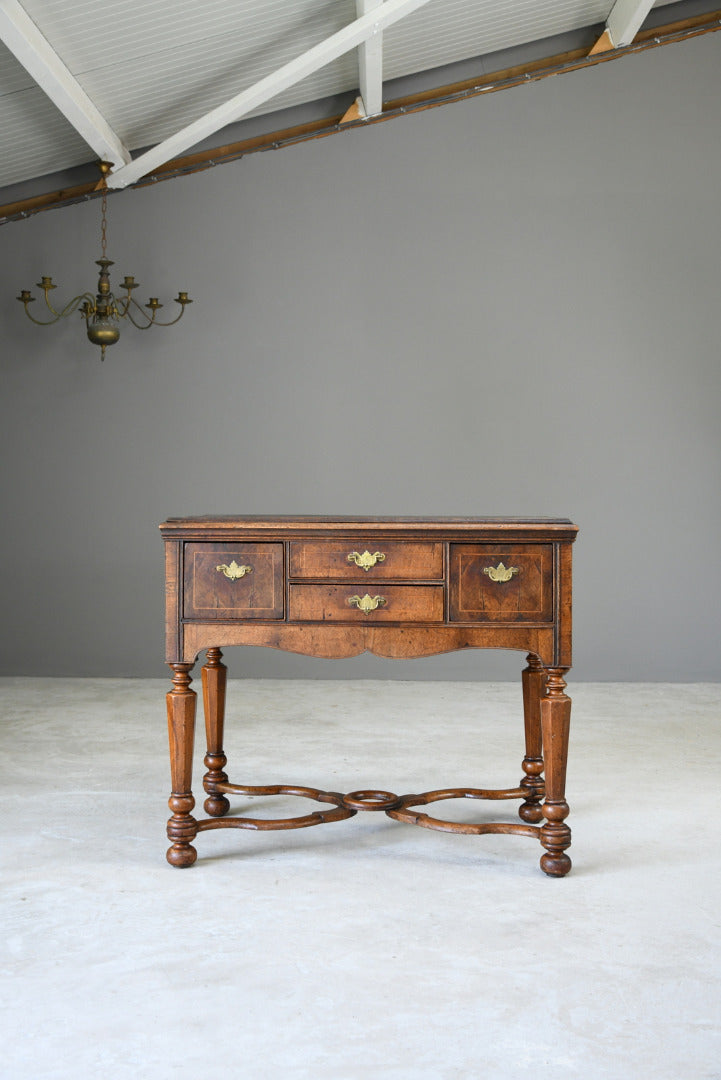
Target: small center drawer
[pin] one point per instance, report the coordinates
(341, 560)
(233, 581)
(377, 603)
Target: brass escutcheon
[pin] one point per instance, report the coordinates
(233, 571)
(367, 603)
(501, 573)
(366, 560)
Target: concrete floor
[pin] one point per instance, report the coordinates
(364, 947)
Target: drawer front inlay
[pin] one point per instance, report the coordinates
(365, 560)
(233, 581)
(385, 603)
(501, 583)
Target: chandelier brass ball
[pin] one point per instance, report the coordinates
(103, 332)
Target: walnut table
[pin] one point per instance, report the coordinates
(396, 587)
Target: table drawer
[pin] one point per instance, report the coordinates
(378, 603)
(233, 581)
(501, 582)
(334, 560)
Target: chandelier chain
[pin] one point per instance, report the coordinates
(104, 223)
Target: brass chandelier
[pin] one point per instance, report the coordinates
(103, 311)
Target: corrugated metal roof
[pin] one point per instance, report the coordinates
(153, 66)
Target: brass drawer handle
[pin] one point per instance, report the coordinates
(366, 560)
(367, 603)
(233, 572)
(501, 573)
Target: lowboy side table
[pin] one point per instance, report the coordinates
(396, 587)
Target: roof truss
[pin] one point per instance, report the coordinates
(368, 25)
(34, 52)
(40, 60)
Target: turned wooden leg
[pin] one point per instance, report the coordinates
(214, 675)
(182, 826)
(534, 687)
(555, 721)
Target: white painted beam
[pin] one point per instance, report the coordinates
(40, 60)
(370, 63)
(625, 19)
(350, 37)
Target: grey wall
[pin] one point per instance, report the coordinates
(506, 306)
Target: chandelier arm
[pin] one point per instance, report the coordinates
(70, 307)
(171, 321)
(137, 325)
(122, 305)
(129, 313)
(41, 322)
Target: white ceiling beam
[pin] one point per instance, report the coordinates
(623, 23)
(370, 63)
(40, 60)
(625, 19)
(350, 37)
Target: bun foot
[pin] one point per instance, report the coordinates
(555, 865)
(181, 855)
(216, 805)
